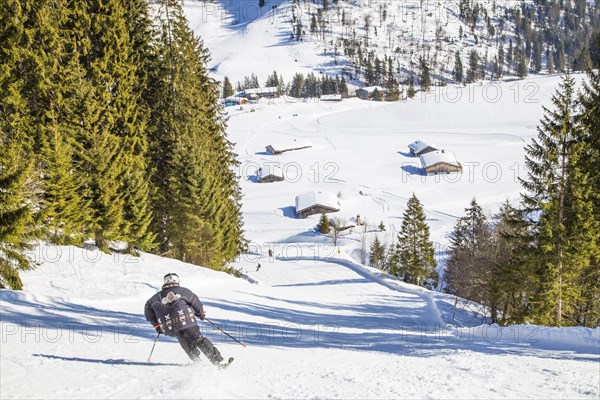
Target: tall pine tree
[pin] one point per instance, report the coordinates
(588, 308)
(196, 205)
(16, 145)
(559, 197)
(53, 85)
(458, 68)
(468, 266)
(415, 252)
(111, 139)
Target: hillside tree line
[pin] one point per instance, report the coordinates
(110, 131)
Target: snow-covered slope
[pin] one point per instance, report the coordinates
(327, 329)
(360, 151)
(244, 38)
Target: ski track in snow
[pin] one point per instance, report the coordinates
(315, 328)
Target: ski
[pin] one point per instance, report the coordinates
(227, 364)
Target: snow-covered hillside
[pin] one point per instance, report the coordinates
(337, 37)
(327, 329)
(360, 151)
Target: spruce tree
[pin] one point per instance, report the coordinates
(521, 70)
(16, 145)
(500, 60)
(468, 264)
(197, 201)
(511, 280)
(550, 63)
(377, 254)
(227, 88)
(323, 225)
(588, 306)
(131, 123)
(509, 55)
(52, 88)
(425, 78)
(473, 66)
(458, 68)
(411, 89)
(415, 252)
(560, 196)
(111, 136)
(344, 88)
(16, 169)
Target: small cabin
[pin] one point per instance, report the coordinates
(237, 100)
(366, 93)
(270, 174)
(316, 202)
(331, 98)
(277, 149)
(256, 93)
(440, 161)
(419, 147)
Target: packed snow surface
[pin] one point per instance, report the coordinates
(313, 329)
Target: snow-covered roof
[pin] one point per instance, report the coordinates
(295, 144)
(372, 88)
(270, 170)
(313, 198)
(263, 90)
(235, 99)
(418, 145)
(437, 157)
(331, 97)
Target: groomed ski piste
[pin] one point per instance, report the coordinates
(317, 323)
(326, 329)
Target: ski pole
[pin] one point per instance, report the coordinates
(152, 351)
(219, 328)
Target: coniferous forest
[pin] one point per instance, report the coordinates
(110, 131)
(539, 262)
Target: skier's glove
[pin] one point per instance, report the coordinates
(202, 315)
(159, 329)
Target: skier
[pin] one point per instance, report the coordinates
(173, 311)
(257, 267)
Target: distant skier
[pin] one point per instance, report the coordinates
(173, 311)
(257, 267)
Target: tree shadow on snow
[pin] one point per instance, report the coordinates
(108, 361)
(385, 326)
(60, 314)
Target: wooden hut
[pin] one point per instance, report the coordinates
(366, 93)
(271, 173)
(331, 98)
(316, 202)
(277, 149)
(440, 161)
(419, 147)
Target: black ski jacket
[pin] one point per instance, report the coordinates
(175, 308)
